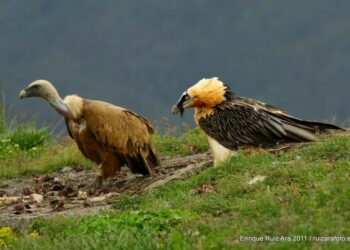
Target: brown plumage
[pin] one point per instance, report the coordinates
(231, 121)
(108, 135)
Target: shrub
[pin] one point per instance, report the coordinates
(28, 136)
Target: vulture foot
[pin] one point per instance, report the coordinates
(98, 182)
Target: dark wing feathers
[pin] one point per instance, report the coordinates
(236, 123)
(308, 125)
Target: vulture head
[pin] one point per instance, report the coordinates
(40, 88)
(204, 94)
(45, 90)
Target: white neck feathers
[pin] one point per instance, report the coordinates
(75, 105)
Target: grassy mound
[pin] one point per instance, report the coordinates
(247, 202)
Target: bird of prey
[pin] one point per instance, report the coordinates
(108, 135)
(230, 121)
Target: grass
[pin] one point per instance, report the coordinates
(27, 150)
(305, 194)
(189, 142)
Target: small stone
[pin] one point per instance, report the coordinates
(107, 197)
(66, 169)
(96, 199)
(9, 200)
(38, 198)
(82, 195)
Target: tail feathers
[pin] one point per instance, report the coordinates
(298, 130)
(298, 134)
(144, 163)
(312, 127)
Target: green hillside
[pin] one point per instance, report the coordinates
(301, 195)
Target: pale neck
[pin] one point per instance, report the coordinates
(57, 104)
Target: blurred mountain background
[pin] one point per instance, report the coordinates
(143, 54)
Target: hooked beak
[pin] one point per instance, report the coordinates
(185, 101)
(23, 94)
(176, 109)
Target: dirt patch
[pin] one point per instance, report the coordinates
(68, 192)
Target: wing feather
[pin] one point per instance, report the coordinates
(254, 125)
(117, 129)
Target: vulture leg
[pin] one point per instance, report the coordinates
(99, 177)
(108, 168)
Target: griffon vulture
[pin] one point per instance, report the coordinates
(108, 135)
(230, 121)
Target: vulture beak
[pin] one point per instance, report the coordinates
(23, 94)
(185, 101)
(176, 109)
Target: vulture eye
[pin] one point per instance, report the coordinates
(186, 97)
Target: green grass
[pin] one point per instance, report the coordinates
(306, 193)
(189, 142)
(26, 150)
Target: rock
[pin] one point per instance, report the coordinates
(104, 198)
(38, 198)
(9, 200)
(66, 169)
(82, 195)
(96, 199)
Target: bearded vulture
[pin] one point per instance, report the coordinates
(108, 135)
(230, 121)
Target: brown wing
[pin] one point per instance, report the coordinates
(122, 132)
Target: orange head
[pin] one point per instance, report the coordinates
(205, 94)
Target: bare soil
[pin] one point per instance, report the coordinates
(69, 192)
